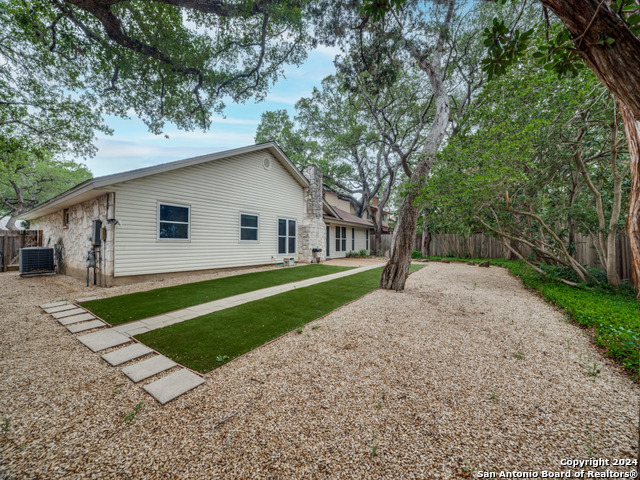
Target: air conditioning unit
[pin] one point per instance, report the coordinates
(36, 260)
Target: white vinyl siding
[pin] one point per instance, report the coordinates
(218, 192)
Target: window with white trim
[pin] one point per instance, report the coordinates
(249, 227)
(367, 242)
(353, 239)
(341, 239)
(173, 221)
(286, 236)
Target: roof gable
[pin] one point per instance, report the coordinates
(97, 186)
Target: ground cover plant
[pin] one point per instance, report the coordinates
(135, 306)
(207, 342)
(613, 316)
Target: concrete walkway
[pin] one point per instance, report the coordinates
(177, 316)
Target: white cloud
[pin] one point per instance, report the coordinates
(330, 51)
(234, 121)
(286, 100)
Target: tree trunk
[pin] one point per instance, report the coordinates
(11, 224)
(616, 65)
(395, 273)
(632, 130)
(612, 254)
(377, 234)
(426, 241)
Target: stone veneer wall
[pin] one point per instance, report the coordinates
(313, 229)
(76, 236)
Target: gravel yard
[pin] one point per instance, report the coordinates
(465, 371)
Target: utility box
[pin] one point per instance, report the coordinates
(34, 260)
(96, 239)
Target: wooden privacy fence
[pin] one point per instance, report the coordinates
(11, 241)
(480, 245)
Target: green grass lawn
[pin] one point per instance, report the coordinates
(613, 316)
(207, 342)
(134, 306)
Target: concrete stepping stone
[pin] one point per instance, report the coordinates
(174, 385)
(87, 299)
(81, 327)
(60, 308)
(127, 354)
(68, 313)
(103, 339)
(148, 368)
(53, 304)
(75, 319)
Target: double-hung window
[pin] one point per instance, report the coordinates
(286, 236)
(249, 227)
(173, 221)
(341, 239)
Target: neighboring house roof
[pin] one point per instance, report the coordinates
(346, 217)
(329, 209)
(95, 187)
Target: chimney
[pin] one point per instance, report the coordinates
(312, 230)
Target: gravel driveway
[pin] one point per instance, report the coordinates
(465, 371)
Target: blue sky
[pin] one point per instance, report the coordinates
(133, 146)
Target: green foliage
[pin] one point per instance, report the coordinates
(277, 126)
(38, 113)
(504, 46)
(134, 306)
(131, 416)
(553, 45)
(161, 61)
(29, 176)
(512, 172)
(416, 254)
(363, 253)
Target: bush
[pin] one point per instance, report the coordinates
(416, 254)
(363, 254)
(352, 255)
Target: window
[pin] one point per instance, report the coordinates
(65, 217)
(286, 236)
(248, 227)
(367, 240)
(341, 239)
(353, 239)
(173, 221)
(384, 217)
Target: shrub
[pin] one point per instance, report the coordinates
(363, 254)
(416, 254)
